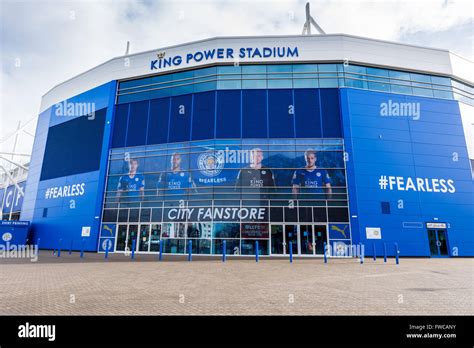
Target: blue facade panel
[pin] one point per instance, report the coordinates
(401, 148)
(157, 122)
(59, 207)
(204, 116)
(281, 113)
(228, 114)
(180, 118)
(254, 114)
(137, 123)
(308, 113)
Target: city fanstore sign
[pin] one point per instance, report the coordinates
(216, 214)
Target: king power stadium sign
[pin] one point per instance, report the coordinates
(247, 53)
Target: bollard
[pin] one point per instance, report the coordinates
(223, 250)
(325, 253)
(291, 252)
(190, 249)
(107, 250)
(59, 248)
(384, 252)
(70, 247)
(396, 253)
(361, 256)
(256, 251)
(134, 243)
(161, 250)
(375, 253)
(38, 245)
(82, 248)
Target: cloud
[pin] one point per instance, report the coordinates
(52, 41)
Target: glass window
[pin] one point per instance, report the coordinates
(174, 246)
(229, 69)
(420, 78)
(201, 246)
(226, 230)
(110, 215)
(355, 76)
(328, 83)
(399, 75)
(328, 69)
(356, 69)
(254, 76)
(305, 76)
(279, 76)
(426, 92)
(205, 73)
(162, 80)
(232, 246)
(230, 83)
(438, 80)
(443, 94)
(254, 230)
(135, 83)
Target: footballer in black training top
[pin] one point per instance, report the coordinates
(256, 176)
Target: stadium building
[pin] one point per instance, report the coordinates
(284, 140)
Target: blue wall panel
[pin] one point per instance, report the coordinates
(308, 113)
(330, 113)
(228, 114)
(203, 115)
(120, 125)
(137, 123)
(281, 117)
(158, 121)
(180, 118)
(254, 114)
(59, 207)
(407, 147)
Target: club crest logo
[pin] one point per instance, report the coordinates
(211, 163)
(7, 236)
(107, 244)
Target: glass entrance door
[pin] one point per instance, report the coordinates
(438, 241)
(125, 235)
(320, 237)
(277, 240)
(121, 237)
(132, 234)
(155, 237)
(144, 239)
(291, 235)
(306, 240)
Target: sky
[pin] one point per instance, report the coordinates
(43, 43)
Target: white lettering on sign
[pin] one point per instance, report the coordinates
(204, 214)
(435, 225)
(65, 191)
(400, 183)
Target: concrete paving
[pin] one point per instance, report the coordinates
(206, 286)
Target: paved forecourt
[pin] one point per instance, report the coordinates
(120, 286)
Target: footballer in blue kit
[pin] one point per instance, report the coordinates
(132, 184)
(177, 182)
(311, 179)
